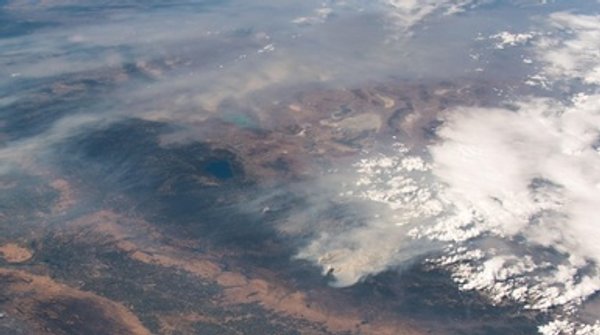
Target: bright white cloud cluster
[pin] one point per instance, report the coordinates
(573, 53)
(498, 187)
(512, 166)
(562, 327)
(530, 175)
(507, 39)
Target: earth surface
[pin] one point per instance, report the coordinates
(299, 167)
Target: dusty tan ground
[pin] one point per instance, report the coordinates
(238, 288)
(49, 305)
(296, 133)
(13, 253)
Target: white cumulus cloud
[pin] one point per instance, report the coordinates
(574, 53)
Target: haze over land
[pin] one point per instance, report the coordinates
(322, 167)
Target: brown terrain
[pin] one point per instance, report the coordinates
(54, 308)
(13, 253)
(112, 271)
